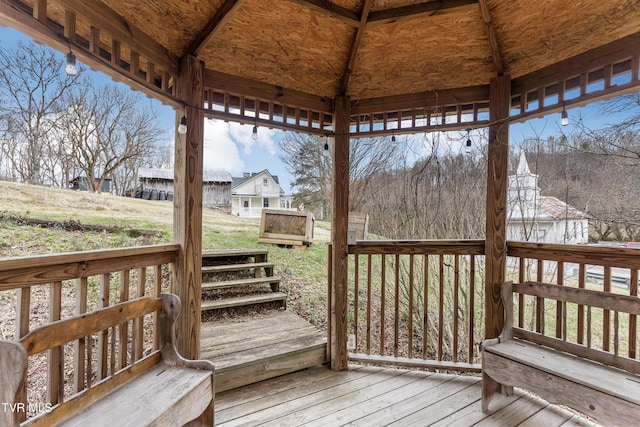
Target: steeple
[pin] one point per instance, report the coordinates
(523, 191)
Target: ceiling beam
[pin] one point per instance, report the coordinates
(329, 8)
(213, 27)
(105, 18)
(417, 10)
(491, 34)
(264, 91)
(346, 78)
(430, 99)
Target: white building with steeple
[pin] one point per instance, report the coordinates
(532, 217)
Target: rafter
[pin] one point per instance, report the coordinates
(346, 78)
(328, 8)
(491, 34)
(213, 27)
(417, 10)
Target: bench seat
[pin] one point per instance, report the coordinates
(597, 390)
(160, 397)
(601, 384)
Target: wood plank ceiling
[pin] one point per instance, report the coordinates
(403, 63)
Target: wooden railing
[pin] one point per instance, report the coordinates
(47, 288)
(416, 303)
(606, 269)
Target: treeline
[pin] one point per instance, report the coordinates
(55, 127)
(423, 188)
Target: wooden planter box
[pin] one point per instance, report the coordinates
(282, 227)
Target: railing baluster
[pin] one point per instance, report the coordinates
(472, 291)
(103, 337)
(441, 308)
(123, 329)
(382, 302)
(396, 308)
(157, 272)
(633, 319)
(456, 305)
(616, 326)
(540, 300)
(23, 308)
(369, 304)
(606, 314)
(561, 320)
(80, 345)
(521, 278)
(55, 356)
(425, 309)
(410, 321)
(138, 326)
(356, 275)
(582, 278)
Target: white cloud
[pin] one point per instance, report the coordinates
(242, 135)
(220, 150)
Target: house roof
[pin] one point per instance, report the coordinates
(239, 180)
(167, 174)
(558, 209)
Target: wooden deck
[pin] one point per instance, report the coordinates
(254, 348)
(373, 396)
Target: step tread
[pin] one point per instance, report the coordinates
(223, 284)
(224, 253)
(243, 300)
(235, 267)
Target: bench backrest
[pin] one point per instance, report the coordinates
(588, 299)
(118, 356)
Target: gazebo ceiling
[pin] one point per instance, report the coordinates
(386, 55)
(399, 47)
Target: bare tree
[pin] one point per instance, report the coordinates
(108, 132)
(32, 86)
(311, 165)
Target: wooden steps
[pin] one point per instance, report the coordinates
(233, 270)
(244, 300)
(254, 348)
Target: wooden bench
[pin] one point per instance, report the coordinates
(598, 383)
(160, 389)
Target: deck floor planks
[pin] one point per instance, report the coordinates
(301, 399)
(371, 396)
(340, 406)
(387, 407)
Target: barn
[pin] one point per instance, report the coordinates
(157, 184)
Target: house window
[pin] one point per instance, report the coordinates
(246, 203)
(265, 203)
(265, 182)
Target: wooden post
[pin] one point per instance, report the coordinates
(339, 225)
(187, 206)
(496, 243)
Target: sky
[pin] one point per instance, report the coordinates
(229, 146)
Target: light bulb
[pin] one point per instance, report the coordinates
(394, 143)
(565, 118)
(254, 134)
(71, 68)
(326, 151)
(468, 149)
(182, 128)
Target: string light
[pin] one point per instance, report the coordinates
(71, 69)
(394, 143)
(326, 151)
(254, 133)
(565, 117)
(182, 128)
(468, 149)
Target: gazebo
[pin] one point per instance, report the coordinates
(348, 69)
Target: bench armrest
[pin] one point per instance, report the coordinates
(13, 372)
(169, 353)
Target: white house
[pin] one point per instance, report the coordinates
(255, 191)
(536, 218)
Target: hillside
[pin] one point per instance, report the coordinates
(303, 272)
